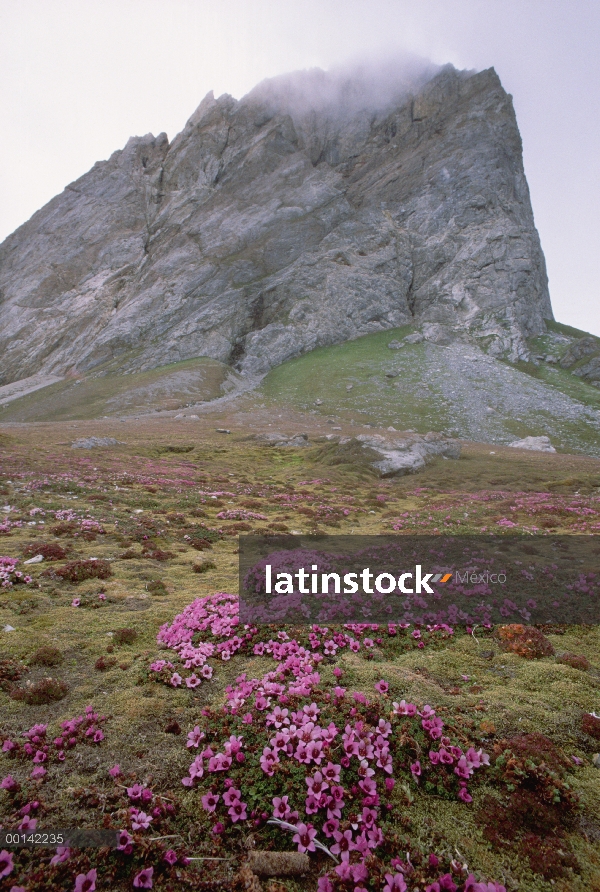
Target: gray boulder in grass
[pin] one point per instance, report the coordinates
(534, 444)
(396, 457)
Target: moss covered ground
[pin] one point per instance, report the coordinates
(158, 516)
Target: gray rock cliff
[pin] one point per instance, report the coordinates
(320, 207)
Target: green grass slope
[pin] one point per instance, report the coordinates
(167, 387)
(426, 386)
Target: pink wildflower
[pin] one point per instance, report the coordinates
(444, 884)
(394, 883)
(304, 837)
(125, 842)
(143, 880)
(140, 820)
(9, 783)
(330, 826)
(6, 863)
(86, 882)
(210, 801)
(237, 812)
(404, 708)
(268, 760)
(343, 844)
(332, 773)
(464, 795)
(135, 792)
(63, 853)
(232, 795)
(194, 737)
(281, 807)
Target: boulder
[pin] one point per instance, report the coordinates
(275, 438)
(95, 442)
(437, 334)
(535, 444)
(396, 457)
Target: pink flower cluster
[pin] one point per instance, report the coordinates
(464, 763)
(232, 799)
(326, 792)
(89, 525)
(66, 514)
(304, 736)
(240, 514)
(9, 576)
(217, 616)
(83, 728)
(216, 762)
(7, 525)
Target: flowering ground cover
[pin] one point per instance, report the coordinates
(395, 758)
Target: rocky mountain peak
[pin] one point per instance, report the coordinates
(321, 206)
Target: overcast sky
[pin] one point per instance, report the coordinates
(78, 77)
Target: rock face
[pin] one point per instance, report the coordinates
(320, 207)
(584, 354)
